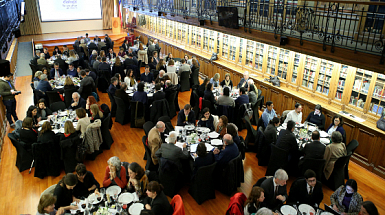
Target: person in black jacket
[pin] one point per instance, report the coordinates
(77, 102)
(156, 200)
(186, 116)
(158, 95)
(32, 112)
(208, 94)
(64, 192)
(87, 183)
(104, 66)
(227, 82)
(315, 149)
(203, 159)
(317, 117)
(42, 111)
(46, 134)
(275, 190)
(121, 93)
(27, 134)
(271, 131)
(207, 120)
(306, 190)
(286, 139)
(202, 87)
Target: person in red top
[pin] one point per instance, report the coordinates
(115, 173)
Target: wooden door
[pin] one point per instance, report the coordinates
(363, 152)
(275, 97)
(378, 159)
(350, 131)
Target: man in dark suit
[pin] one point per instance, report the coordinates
(315, 149)
(172, 152)
(93, 46)
(286, 139)
(186, 116)
(111, 54)
(158, 95)
(60, 61)
(243, 98)
(132, 52)
(108, 41)
(229, 152)
(130, 60)
(146, 76)
(36, 57)
(125, 45)
(275, 190)
(104, 66)
(243, 82)
(43, 85)
(91, 74)
(98, 61)
(112, 88)
(77, 102)
(86, 81)
(121, 93)
(306, 190)
(169, 88)
(56, 72)
(46, 53)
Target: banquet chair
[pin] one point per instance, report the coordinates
(317, 165)
(171, 103)
(69, 147)
(226, 110)
(49, 190)
(251, 137)
(158, 109)
(202, 185)
(236, 204)
(75, 63)
(207, 103)
(106, 111)
(137, 113)
(337, 178)
(147, 127)
(53, 96)
(194, 102)
(87, 91)
(68, 96)
(261, 124)
(264, 148)
(24, 158)
(149, 164)
(106, 135)
(255, 118)
(260, 181)
(184, 81)
(122, 111)
(47, 159)
(195, 77)
(231, 176)
(37, 95)
(350, 148)
(113, 104)
(169, 176)
(278, 160)
(57, 106)
(177, 205)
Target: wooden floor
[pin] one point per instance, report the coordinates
(21, 191)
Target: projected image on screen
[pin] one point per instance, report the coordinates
(66, 10)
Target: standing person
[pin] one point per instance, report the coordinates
(155, 140)
(8, 92)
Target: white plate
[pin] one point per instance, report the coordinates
(213, 134)
(150, 94)
(131, 94)
(307, 209)
(203, 129)
(59, 87)
(79, 207)
(130, 88)
(216, 142)
(94, 198)
(325, 140)
(288, 210)
(326, 213)
(136, 208)
(126, 198)
(323, 134)
(113, 190)
(189, 127)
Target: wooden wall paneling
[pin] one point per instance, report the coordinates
(286, 102)
(265, 92)
(328, 120)
(350, 131)
(307, 108)
(275, 97)
(378, 158)
(363, 153)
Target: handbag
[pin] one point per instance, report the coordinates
(214, 56)
(381, 123)
(138, 122)
(274, 80)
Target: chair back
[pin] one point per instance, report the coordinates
(202, 185)
(24, 158)
(251, 134)
(47, 159)
(49, 190)
(106, 135)
(68, 96)
(337, 178)
(185, 81)
(228, 111)
(137, 113)
(317, 165)
(53, 97)
(264, 148)
(195, 76)
(260, 181)
(256, 116)
(169, 176)
(158, 109)
(278, 160)
(113, 104)
(122, 111)
(171, 103)
(75, 63)
(168, 124)
(177, 205)
(37, 95)
(194, 102)
(87, 91)
(57, 106)
(232, 176)
(147, 127)
(207, 103)
(236, 204)
(261, 124)
(352, 146)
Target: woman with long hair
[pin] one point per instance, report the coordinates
(171, 68)
(222, 125)
(47, 206)
(118, 67)
(102, 54)
(87, 183)
(130, 78)
(142, 54)
(161, 65)
(83, 121)
(32, 112)
(202, 87)
(69, 84)
(27, 134)
(90, 101)
(215, 80)
(72, 57)
(95, 113)
(56, 51)
(46, 134)
(253, 202)
(64, 192)
(138, 180)
(346, 199)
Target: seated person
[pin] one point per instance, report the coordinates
(203, 158)
(46, 134)
(56, 72)
(72, 71)
(130, 78)
(169, 57)
(315, 149)
(111, 54)
(229, 151)
(121, 93)
(104, 66)
(90, 101)
(270, 131)
(42, 111)
(162, 78)
(156, 201)
(333, 151)
(186, 116)
(112, 88)
(47, 206)
(138, 180)
(208, 95)
(46, 53)
(27, 134)
(171, 68)
(275, 190)
(346, 199)
(32, 112)
(43, 85)
(317, 117)
(77, 102)
(222, 125)
(87, 183)
(69, 84)
(140, 95)
(83, 121)
(158, 95)
(243, 98)
(64, 192)
(368, 208)
(225, 99)
(36, 79)
(161, 65)
(336, 125)
(56, 51)
(286, 140)
(254, 201)
(169, 88)
(115, 173)
(172, 152)
(155, 140)
(252, 95)
(227, 82)
(42, 60)
(207, 120)
(95, 113)
(269, 113)
(232, 129)
(130, 60)
(202, 88)
(87, 81)
(215, 80)
(69, 131)
(243, 82)
(295, 115)
(146, 76)
(306, 190)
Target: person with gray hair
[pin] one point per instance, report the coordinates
(155, 140)
(275, 190)
(77, 102)
(333, 151)
(229, 151)
(172, 152)
(243, 82)
(43, 84)
(115, 173)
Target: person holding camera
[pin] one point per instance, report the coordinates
(8, 92)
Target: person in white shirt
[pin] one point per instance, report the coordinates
(295, 115)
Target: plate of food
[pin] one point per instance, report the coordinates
(95, 198)
(113, 190)
(213, 134)
(216, 142)
(288, 210)
(203, 129)
(305, 208)
(136, 208)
